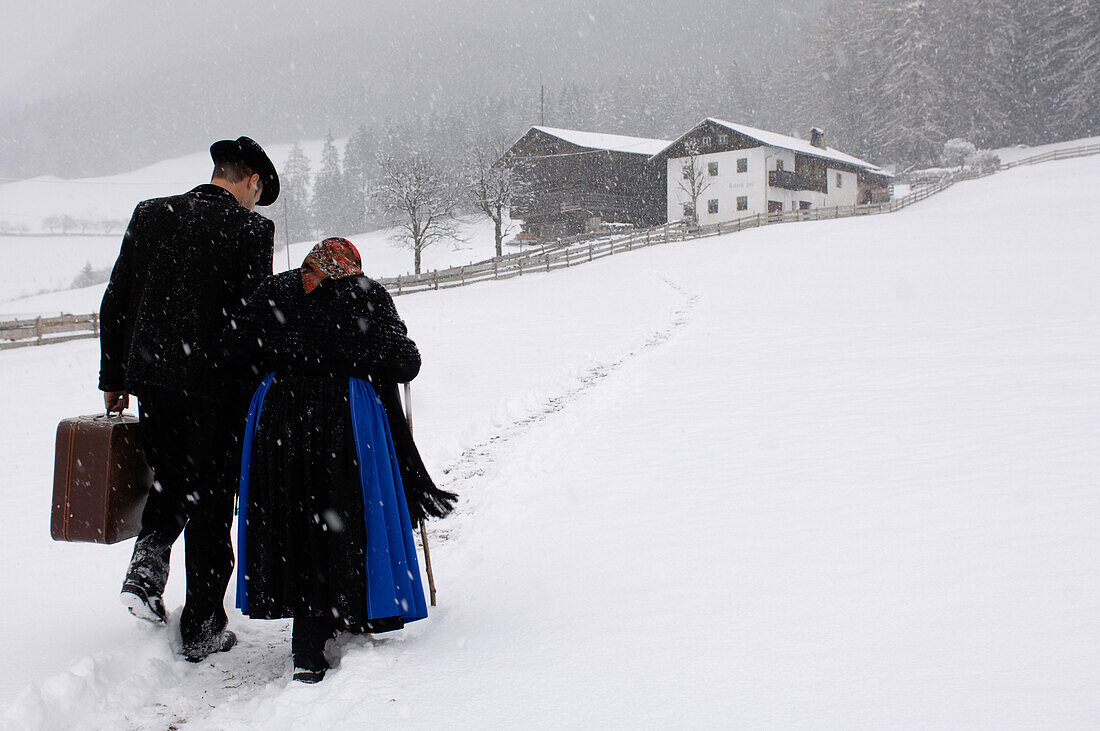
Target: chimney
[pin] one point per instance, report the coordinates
(817, 137)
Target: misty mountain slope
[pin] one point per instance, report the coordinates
(831, 474)
(141, 81)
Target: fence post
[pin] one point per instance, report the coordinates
(547, 262)
(666, 233)
(630, 242)
(567, 258)
(399, 284)
(590, 252)
(494, 268)
(462, 274)
(520, 262)
(435, 279)
(95, 323)
(38, 329)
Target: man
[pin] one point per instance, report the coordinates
(186, 265)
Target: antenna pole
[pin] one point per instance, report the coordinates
(286, 235)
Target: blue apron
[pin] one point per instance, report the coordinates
(393, 581)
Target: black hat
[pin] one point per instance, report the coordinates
(245, 150)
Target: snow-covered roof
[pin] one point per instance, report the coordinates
(600, 141)
(774, 139)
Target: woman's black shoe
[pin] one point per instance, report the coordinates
(307, 647)
(310, 667)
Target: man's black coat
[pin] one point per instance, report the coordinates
(187, 264)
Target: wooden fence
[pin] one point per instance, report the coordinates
(1054, 155)
(41, 331)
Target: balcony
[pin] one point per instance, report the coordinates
(789, 180)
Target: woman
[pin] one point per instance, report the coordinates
(331, 482)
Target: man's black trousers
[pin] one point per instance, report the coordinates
(193, 446)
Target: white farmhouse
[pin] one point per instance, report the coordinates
(733, 170)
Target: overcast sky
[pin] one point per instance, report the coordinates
(59, 45)
(33, 33)
(56, 46)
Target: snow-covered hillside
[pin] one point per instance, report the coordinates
(837, 474)
(37, 265)
(46, 264)
(114, 197)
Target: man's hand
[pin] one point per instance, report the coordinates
(116, 401)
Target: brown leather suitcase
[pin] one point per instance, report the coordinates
(100, 480)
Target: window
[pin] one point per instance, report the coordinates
(712, 205)
(742, 203)
(742, 164)
(689, 212)
(712, 169)
(723, 139)
(839, 181)
(803, 205)
(779, 165)
(706, 141)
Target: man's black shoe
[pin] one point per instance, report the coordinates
(141, 602)
(145, 579)
(198, 651)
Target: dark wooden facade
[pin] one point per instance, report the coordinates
(565, 189)
(706, 138)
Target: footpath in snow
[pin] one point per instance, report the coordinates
(832, 474)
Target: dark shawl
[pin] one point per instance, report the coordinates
(346, 327)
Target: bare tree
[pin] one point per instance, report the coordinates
(956, 151)
(419, 201)
(693, 179)
(491, 188)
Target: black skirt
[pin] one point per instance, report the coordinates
(306, 535)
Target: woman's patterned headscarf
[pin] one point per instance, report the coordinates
(334, 257)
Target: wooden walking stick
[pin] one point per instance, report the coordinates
(423, 527)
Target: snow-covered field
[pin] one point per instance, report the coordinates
(38, 264)
(45, 264)
(839, 474)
